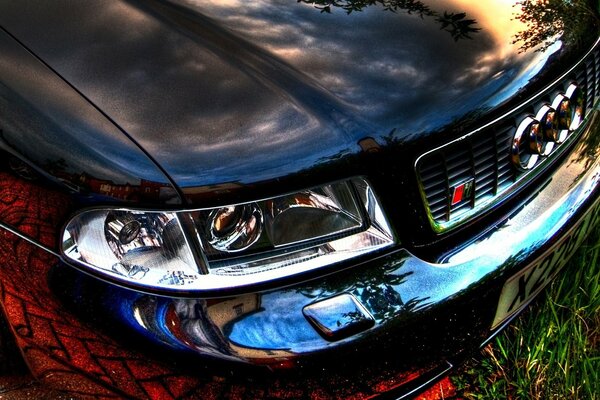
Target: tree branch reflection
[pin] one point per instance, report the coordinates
(379, 289)
(550, 20)
(457, 24)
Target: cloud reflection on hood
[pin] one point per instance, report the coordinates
(249, 91)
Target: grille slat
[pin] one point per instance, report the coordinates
(458, 173)
(434, 194)
(439, 210)
(481, 194)
(488, 174)
(481, 166)
(432, 181)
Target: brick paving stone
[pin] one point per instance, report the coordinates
(24, 387)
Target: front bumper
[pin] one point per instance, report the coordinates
(399, 291)
(93, 339)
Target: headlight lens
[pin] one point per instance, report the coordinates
(232, 246)
(234, 228)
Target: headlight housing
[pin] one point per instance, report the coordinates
(232, 246)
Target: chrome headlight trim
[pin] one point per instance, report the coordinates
(171, 251)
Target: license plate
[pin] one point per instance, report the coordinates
(522, 287)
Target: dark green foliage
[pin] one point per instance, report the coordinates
(552, 351)
(549, 20)
(457, 24)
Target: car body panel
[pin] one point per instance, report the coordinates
(50, 131)
(91, 338)
(270, 325)
(191, 104)
(302, 99)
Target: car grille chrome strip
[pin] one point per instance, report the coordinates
(483, 160)
(591, 75)
(469, 175)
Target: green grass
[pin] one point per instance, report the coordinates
(552, 351)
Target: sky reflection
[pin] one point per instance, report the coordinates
(250, 91)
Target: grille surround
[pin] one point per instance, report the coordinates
(483, 156)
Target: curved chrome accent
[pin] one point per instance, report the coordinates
(551, 127)
(575, 96)
(564, 117)
(527, 144)
(547, 131)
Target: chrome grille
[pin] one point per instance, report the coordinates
(486, 160)
(484, 157)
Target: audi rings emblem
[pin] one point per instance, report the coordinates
(538, 136)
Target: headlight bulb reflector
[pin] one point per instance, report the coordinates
(232, 246)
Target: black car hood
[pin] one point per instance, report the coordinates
(234, 93)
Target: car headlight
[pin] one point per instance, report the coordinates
(232, 246)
